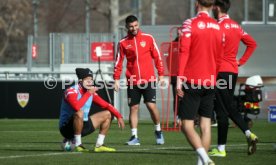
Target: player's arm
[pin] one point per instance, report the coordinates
(71, 96)
(104, 105)
(220, 50)
(184, 52)
(155, 53)
(250, 44)
(118, 66)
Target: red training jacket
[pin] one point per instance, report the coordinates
(233, 35)
(71, 96)
(140, 51)
(201, 50)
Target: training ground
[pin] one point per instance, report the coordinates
(38, 142)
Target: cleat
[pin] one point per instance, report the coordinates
(159, 137)
(210, 162)
(217, 153)
(104, 149)
(252, 141)
(133, 141)
(80, 148)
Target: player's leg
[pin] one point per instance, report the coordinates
(102, 121)
(78, 126)
(223, 124)
(188, 109)
(223, 101)
(149, 94)
(237, 118)
(205, 112)
(134, 97)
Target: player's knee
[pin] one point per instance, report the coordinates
(79, 114)
(205, 129)
(107, 114)
(134, 107)
(223, 121)
(151, 106)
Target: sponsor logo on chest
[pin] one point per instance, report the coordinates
(208, 25)
(233, 26)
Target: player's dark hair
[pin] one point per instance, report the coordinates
(130, 19)
(224, 5)
(206, 3)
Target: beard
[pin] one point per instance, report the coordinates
(215, 13)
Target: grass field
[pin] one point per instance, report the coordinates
(38, 142)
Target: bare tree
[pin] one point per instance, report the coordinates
(15, 18)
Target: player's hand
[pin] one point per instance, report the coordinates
(121, 123)
(117, 85)
(161, 80)
(238, 62)
(180, 92)
(92, 89)
(178, 89)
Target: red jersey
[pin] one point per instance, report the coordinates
(233, 35)
(140, 51)
(201, 50)
(71, 97)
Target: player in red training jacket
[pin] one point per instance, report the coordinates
(140, 50)
(228, 73)
(201, 50)
(75, 121)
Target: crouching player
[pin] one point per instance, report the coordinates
(75, 121)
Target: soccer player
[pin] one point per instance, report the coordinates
(140, 50)
(75, 121)
(201, 50)
(228, 72)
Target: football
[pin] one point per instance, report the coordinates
(67, 145)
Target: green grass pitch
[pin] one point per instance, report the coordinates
(38, 142)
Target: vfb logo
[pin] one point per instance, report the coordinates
(23, 99)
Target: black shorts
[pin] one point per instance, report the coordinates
(135, 92)
(67, 131)
(196, 101)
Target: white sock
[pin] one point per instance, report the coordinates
(203, 154)
(100, 140)
(134, 132)
(77, 140)
(158, 127)
(221, 147)
(199, 161)
(247, 133)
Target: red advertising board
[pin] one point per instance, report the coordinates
(103, 49)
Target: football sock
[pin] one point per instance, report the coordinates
(77, 140)
(247, 133)
(221, 147)
(134, 132)
(199, 161)
(100, 140)
(203, 155)
(158, 127)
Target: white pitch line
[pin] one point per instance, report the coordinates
(123, 150)
(29, 131)
(38, 155)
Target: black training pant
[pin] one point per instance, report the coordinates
(224, 106)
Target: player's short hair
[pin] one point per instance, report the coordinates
(224, 5)
(206, 3)
(130, 19)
